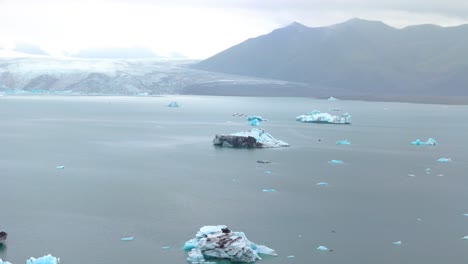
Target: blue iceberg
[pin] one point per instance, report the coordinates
(255, 138)
(218, 242)
(429, 142)
(258, 118)
(397, 243)
(322, 248)
(336, 162)
(173, 104)
(4, 262)
(343, 142)
(318, 117)
(444, 160)
(127, 238)
(465, 238)
(322, 184)
(48, 259)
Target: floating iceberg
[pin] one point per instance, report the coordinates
(49, 259)
(319, 117)
(4, 262)
(397, 243)
(256, 138)
(322, 248)
(465, 214)
(127, 238)
(258, 118)
(444, 160)
(336, 162)
(429, 142)
(322, 184)
(218, 242)
(465, 238)
(268, 190)
(60, 167)
(343, 142)
(173, 104)
(331, 98)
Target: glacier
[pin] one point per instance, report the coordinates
(255, 138)
(429, 142)
(218, 242)
(48, 259)
(318, 117)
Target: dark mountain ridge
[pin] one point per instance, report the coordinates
(357, 57)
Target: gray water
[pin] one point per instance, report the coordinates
(134, 167)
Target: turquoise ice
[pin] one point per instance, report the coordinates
(429, 142)
(444, 160)
(336, 162)
(343, 142)
(48, 259)
(322, 248)
(4, 262)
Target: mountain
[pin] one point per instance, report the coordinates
(357, 57)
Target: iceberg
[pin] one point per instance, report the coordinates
(322, 248)
(4, 262)
(318, 117)
(331, 98)
(173, 104)
(258, 118)
(127, 238)
(343, 142)
(48, 259)
(444, 160)
(397, 243)
(256, 138)
(429, 142)
(218, 242)
(268, 190)
(336, 162)
(322, 184)
(465, 238)
(465, 214)
(61, 167)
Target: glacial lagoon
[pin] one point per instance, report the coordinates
(78, 174)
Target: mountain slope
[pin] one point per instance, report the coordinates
(356, 57)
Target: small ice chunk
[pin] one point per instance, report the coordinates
(322, 248)
(411, 175)
(396, 243)
(291, 256)
(322, 184)
(336, 162)
(418, 219)
(267, 172)
(343, 142)
(444, 160)
(263, 161)
(4, 262)
(48, 259)
(331, 98)
(127, 238)
(465, 214)
(166, 247)
(268, 190)
(465, 238)
(429, 142)
(173, 104)
(61, 167)
(428, 170)
(258, 118)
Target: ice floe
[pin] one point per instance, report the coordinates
(255, 138)
(318, 117)
(48, 259)
(218, 242)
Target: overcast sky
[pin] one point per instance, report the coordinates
(195, 28)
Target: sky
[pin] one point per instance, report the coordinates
(197, 29)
